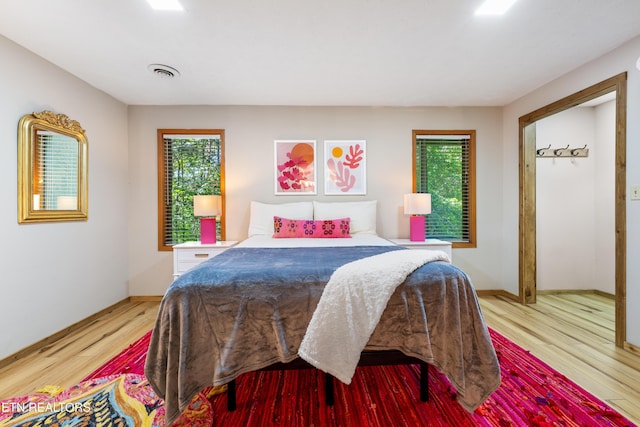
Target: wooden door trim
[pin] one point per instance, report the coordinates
(527, 189)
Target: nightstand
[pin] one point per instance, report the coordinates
(433, 244)
(190, 254)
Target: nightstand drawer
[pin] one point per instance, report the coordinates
(197, 255)
(433, 244)
(189, 254)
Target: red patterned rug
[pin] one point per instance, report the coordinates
(531, 394)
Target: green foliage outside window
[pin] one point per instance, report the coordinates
(442, 171)
(193, 168)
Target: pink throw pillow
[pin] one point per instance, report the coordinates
(332, 228)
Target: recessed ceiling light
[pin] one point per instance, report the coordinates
(494, 7)
(165, 4)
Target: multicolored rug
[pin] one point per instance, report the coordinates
(532, 394)
(115, 400)
(116, 394)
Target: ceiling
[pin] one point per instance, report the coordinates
(331, 52)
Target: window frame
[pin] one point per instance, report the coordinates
(471, 168)
(161, 134)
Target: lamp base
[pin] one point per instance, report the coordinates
(207, 230)
(416, 228)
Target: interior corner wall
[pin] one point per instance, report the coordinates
(56, 274)
(604, 189)
(249, 143)
(575, 229)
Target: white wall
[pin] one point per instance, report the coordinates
(575, 224)
(249, 136)
(604, 207)
(620, 60)
(55, 274)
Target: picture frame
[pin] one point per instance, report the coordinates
(345, 167)
(295, 167)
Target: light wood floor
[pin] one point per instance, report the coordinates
(70, 359)
(574, 333)
(571, 332)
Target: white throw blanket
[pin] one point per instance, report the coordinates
(351, 306)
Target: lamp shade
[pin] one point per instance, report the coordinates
(206, 205)
(417, 204)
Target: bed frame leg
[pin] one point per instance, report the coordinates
(328, 389)
(231, 395)
(424, 382)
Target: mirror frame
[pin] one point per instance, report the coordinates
(61, 124)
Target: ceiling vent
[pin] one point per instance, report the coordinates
(163, 71)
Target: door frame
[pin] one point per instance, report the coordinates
(527, 218)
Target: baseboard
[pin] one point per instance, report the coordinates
(496, 293)
(514, 297)
(575, 291)
(604, 294)
(58, 335)
(632, 348)
(145, 298)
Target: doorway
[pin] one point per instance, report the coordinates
(527, 216)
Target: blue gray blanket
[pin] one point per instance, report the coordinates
(248, 308)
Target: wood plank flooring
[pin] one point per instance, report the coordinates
(573, 333)
(70, 359)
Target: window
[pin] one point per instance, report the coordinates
(190, 162)
(444, 166)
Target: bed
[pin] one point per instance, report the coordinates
(249, 308)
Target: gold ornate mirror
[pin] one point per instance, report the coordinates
(52, 169)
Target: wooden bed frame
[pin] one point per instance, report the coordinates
(367, 358)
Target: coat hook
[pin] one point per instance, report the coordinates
(558, 152)
(579, 151)
(543, 151)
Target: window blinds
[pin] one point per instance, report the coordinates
(191, 167)
(442, 169)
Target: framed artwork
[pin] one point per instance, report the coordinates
(295, 167)
(345, 170)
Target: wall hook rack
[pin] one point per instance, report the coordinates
(562, 152)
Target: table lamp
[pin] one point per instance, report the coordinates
(417, 205)
(207, 207)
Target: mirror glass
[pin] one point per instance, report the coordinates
(52, 168)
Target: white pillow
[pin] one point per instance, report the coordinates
(362, 214)
(261, 218)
